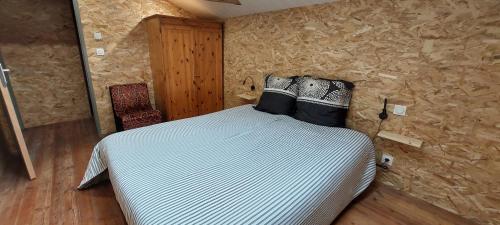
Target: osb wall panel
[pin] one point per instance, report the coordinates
(41, 49)
(439, 58)
(125, 43)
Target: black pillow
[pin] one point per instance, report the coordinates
(323, 102)
(279, 95)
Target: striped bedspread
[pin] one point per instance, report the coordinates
(237, 166)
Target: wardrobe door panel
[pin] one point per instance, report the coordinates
(179, 68)
(208, 70)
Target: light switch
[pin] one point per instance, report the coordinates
(400, 110)
(99, 51)
(97, 36)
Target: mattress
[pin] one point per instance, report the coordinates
(237, 166)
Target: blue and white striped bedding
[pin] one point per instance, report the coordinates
(237, 166)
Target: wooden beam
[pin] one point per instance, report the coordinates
(235, 2)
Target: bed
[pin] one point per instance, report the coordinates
(237, 166)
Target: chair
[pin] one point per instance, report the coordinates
(131, 106)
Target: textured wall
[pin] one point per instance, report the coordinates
(41, 49)
(125, 43)
(440, 58)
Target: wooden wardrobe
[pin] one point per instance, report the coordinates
(186, 62)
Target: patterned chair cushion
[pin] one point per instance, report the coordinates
(141, 119)
(323, 102)
(279, 95)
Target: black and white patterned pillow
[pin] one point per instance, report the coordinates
(279, 95)
(323, 102)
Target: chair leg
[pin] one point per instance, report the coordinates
(118, 124)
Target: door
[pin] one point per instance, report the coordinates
(208, 70)
(180, 99)
(14, 119)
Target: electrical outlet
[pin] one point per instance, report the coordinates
(387, 159)
(99, 51)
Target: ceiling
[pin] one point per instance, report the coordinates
(217, 10)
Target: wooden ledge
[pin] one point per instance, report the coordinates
(247, 97)
(401, 139)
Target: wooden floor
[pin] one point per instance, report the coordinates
(61, 152)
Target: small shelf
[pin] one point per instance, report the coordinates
(401, 139)
(247, 97)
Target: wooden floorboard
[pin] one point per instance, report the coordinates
(60, 153)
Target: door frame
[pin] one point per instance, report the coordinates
(85, 62)
(14, 120)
